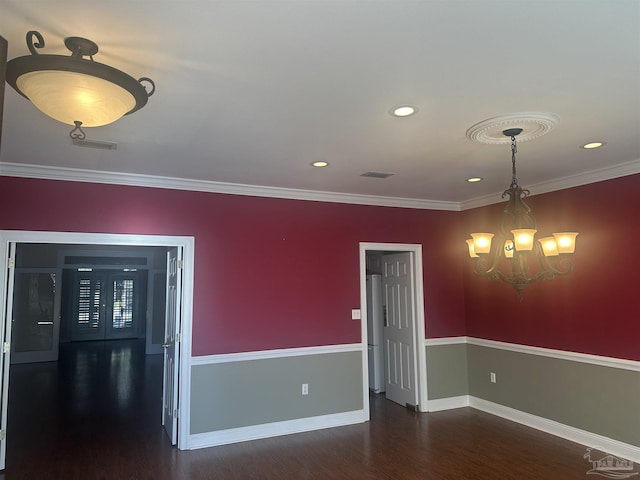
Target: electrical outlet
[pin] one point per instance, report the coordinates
(493, 377)
(305, 389)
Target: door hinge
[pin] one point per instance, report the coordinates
(175, 413)
(3, 435)
(178, 337)
(6, 347)
(12, 263)
(180, 263)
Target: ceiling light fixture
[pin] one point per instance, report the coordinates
(320, 164)
(591, 145)
(75, 90)
(515, 245)
(474, 179)
(403, 111)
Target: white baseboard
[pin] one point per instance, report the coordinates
(573, 434)
(255, 432)
(447, 403)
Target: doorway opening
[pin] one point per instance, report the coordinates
(180, 255)
(70, 293)
(392, 304)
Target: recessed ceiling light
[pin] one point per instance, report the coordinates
(403, 111)
(594, 145)
(320, 164)
(474, 179)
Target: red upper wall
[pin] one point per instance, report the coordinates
(269, 273)
(594, 309)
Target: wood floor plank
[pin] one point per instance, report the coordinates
(95, 414)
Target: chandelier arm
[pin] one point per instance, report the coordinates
(518, 284)
(562, 267)
(480, 269)
(483, 267)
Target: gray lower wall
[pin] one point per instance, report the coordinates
(598, 399)
(447, 371)
(255, 392)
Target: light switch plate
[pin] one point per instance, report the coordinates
(355, 314)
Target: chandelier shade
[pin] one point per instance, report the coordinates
(75, 90)
(566, 241)
(68, 96)
(482, 242)
(523, 239)
(517, 258)
(549, 246)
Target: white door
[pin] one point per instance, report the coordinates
(5, 333)
(399, 332)
(35, 329)
(171, 343)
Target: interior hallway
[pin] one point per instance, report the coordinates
(95, 414)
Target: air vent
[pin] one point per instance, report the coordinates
(95, 144)
(377, 174)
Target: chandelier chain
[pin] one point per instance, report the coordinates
(514, 150)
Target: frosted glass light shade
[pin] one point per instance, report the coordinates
(472, 250)
(71, 96)
(566, 241)
(508, 249)
(482, 242)
(549, 246)
(523, 239)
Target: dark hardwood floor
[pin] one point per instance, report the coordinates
(95, 414)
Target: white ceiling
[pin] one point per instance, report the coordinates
(251, 92)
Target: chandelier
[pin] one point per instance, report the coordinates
(517, 258)
(75, 90)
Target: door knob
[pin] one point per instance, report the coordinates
(165, 345)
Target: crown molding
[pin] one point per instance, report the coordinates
(132, 179)
(137, 180)
(592, 176)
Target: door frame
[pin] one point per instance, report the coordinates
(8, 237)
(420, 357)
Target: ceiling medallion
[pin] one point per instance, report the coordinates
(533, 125)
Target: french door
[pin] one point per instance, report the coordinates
(106, 305)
